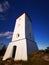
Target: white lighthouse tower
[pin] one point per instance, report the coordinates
(23, 42)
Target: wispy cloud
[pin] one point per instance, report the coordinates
(1, 9)
(7, 34)
(4, 6)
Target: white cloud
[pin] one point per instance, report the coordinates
(7, 34)
(4, 6)
(1, 9)
(8, 37)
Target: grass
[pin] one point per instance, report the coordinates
(35, 58)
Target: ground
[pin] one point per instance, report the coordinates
(36, 58)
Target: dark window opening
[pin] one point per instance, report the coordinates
(18, 35)
(14, 51)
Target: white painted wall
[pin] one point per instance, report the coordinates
(21, 50)
(19, 28)
(24, 41)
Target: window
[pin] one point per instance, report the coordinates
(18, 35)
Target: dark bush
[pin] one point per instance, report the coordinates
(2, 51)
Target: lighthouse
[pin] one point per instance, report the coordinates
(23, 42)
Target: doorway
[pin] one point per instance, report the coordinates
(14, 51)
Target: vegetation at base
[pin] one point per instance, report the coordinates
(2, 51)
(40, 57)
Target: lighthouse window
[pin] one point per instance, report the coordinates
(18, 35)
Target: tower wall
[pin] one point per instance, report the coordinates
(19, 28)
(31, 46)
(21, 50)
(22, 39)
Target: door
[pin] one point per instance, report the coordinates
(14, 51)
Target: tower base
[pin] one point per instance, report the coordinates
(20, 49)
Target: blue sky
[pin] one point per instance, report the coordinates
(38, 10)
